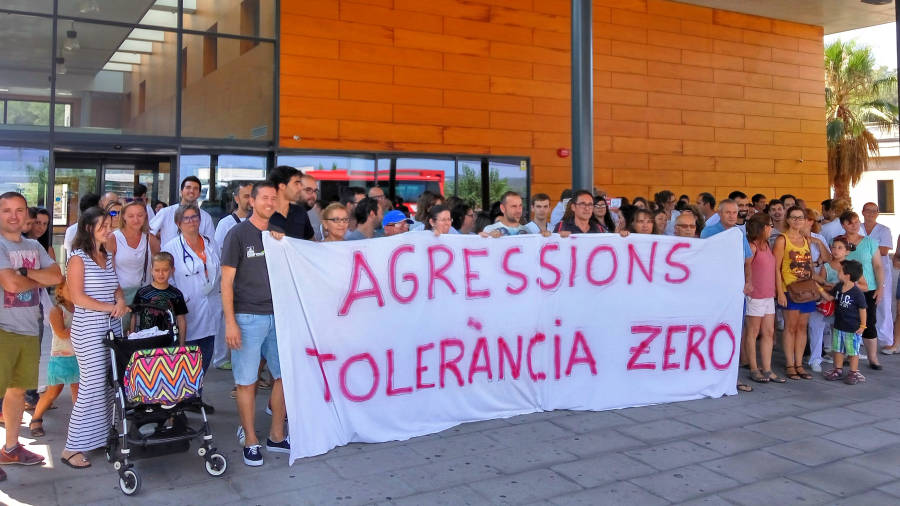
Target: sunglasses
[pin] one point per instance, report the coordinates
(113, 213)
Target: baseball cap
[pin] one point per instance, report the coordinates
(394, 216)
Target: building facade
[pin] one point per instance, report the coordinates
(465, 97)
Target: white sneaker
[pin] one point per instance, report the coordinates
(240, 435)
(827, 359)
(816, 367)
(863, 356)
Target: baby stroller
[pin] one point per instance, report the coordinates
(155, 382)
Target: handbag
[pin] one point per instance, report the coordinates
(826, 307)
(803, 290)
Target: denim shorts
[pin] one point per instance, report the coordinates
(257, 340)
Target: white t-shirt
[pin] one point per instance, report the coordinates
(132, 264)
(69, 237)
(163, 224)
(833, 229)
(225, 224)
(533, 227)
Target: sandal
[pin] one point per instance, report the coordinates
(757, 376)
(803, 373)
(39, 430)
(774, 378)
(791, 372)
(744, 388)
(68, 461)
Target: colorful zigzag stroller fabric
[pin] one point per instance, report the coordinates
(164, 376)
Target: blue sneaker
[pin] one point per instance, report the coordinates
(252, 456)
(280, 447)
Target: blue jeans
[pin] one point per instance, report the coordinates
(257, 340)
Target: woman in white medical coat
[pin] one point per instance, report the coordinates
(197, 275)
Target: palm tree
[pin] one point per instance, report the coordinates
(854, 99)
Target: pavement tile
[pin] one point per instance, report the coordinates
(671, 455)
(300, 475)
(525, 457)
(769, 410)
(593, 472)
(839, 418)
(718, 420)
(892, 425)
(892, 488)
(882, 407)
(446, 473)
(616, 493)
(788, 429)
(731, 441)
(524, 487)
(378, 461)
(654, 412)
(659, 430)
(820, 401)
(684, 483)
(868, 438)
(709, 500)
(813, 451)
(457, 446)
(455, 496)
(870, 498)
(886, 461)
(365, 490)
(842, 479)
(538, 431)
(753, 466)
(776, 491)
(591, 421)
(539, 416)
(466, 428)
(587, 445)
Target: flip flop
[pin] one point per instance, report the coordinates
(744, 388)
(758, 376)
(774, 378)
(68, 461)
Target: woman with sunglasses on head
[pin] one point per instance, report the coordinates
(197, 274)
(132, 247)
(336, 221)
(793, 263)
(865, 251)
(114, 211)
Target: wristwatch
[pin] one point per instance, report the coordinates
(23, 271)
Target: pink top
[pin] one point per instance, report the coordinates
(762, 274)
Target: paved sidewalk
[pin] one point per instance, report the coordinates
(805, 442)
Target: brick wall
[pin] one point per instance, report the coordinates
(686, 98)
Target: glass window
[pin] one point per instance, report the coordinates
(118, 80)
(886, 196)
(195, 165)
(251, 18)
(223, 103)
(143, 12)
(25, 56)
(25, 171)
(415, 175)
(469, 182)
(337, 172)
(508, 176)
(230, 170)
(39, 6)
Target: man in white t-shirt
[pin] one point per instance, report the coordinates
(510, 217)
(163, 224)
(241, 211)
(540, 213)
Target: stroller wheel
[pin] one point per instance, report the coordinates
(216, 464)
(129, 482)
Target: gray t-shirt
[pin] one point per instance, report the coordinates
(21, 311)
(243, 250)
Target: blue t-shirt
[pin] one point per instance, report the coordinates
(846, 307)
(716, 228)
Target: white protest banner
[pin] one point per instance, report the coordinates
(398, 337)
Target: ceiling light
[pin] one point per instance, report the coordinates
(61, 66)
(88, 6)
(71, 43)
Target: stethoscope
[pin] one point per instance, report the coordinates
(185, 256)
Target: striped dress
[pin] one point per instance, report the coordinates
(92, 413)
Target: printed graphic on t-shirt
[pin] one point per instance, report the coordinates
(801, 264)
(845, 300)
(28, 259)
(252, 253)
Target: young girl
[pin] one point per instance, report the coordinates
(62, 369)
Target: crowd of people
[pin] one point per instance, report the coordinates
(821, 275)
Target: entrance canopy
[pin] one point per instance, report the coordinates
(835, 15)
